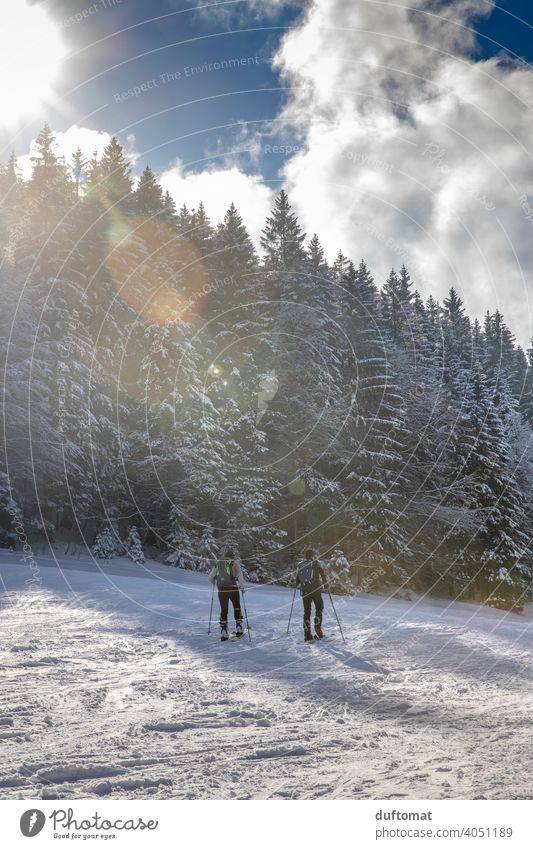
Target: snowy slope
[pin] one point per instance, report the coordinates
(111, 686)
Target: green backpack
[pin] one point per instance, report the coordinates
(225, 578)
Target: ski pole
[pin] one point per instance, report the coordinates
(211, 611)
(246, 615)
(290, 614)
(336, 617)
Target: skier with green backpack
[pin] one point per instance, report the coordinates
(227, 575)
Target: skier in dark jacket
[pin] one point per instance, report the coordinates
(311, 579)
(227, 575)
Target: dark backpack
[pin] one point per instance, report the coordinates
(225, 578)
(305, 574)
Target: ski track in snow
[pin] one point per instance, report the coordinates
(112, 688)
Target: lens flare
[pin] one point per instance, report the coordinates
(157, 272)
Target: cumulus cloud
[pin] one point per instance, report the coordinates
(86, 139)
(413, 149)
(218, 188)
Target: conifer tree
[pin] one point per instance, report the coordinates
(282, 238)
(202, 233)
(149, 196)
(237, 253)
(501, 542)
(317, 259)
(340, 266)
(397, 305)
(169, 214)
(180, 542)
(114, 186)
(11, 192)
(184, 221)
(79, 169)
(47, 228)
(208, 550)
(339, 571)
(105, 545)
(526, 401)
(133, 546)
(374, 437)
(502, 367)
(457, 344)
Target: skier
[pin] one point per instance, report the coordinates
(227, 575)
(311, 579)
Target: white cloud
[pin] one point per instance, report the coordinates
(86, 139)
(31, 54)
(412, 150)
(218, 188)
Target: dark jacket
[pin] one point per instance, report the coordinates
(318, 581)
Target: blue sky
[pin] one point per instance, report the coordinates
(125, 43)
(119, 47)
(403, 129)
(509, 26)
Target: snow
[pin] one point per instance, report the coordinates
(112, 688)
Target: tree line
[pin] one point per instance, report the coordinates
(161, 374)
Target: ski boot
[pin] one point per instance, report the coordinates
(224, 634)
(239, 632)
(319, 633)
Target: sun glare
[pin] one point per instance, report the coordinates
(30, 58)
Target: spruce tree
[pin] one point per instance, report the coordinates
(317, 259)
(114, 183)
(500, 542)
(202, 233)
(237, 253)
(282, 237)
(501, 365)
(169, 214)
(184, 222)
(208, 550)
(391, 306)
(375, 432)
(340, 266)
(148, 196)
(180, 542)
(133, 546)
(398, 309)
(526, 401)
(457, 344)
(79, 169)
(47, 228)
(105, 545)
(339, 572)
(11, 192)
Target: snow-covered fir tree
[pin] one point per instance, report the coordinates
(106, 545)
(182, 545)
(340, 573)
(149, 198)
(133, 546)
(208, 550)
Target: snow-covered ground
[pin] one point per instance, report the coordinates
(111, 686)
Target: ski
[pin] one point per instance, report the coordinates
(235, 636)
